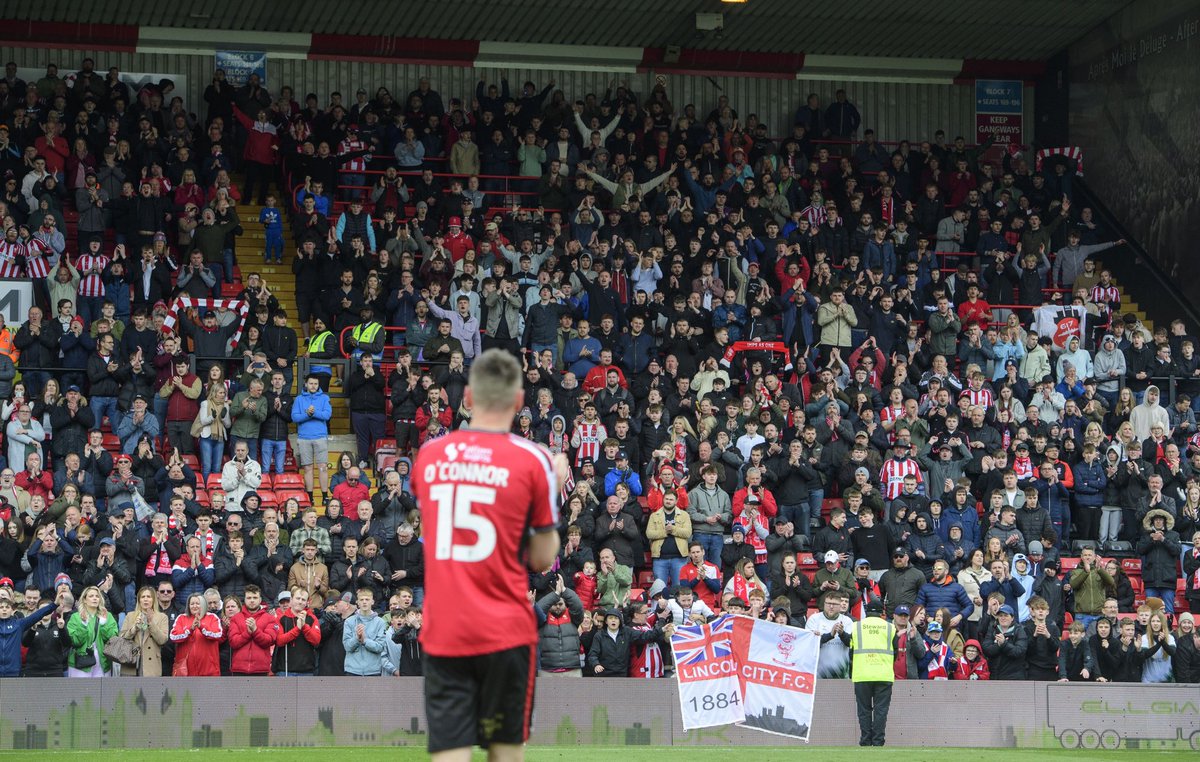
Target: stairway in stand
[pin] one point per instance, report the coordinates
(251, 246)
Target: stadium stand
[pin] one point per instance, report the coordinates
(897, 369)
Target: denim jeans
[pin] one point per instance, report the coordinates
(160, 412)
(667, 569)
(798, 514)
(713, 545)
(211, 452)
(87, 307)
(218, 271)
(273, 451)
(102, 406)
(815, 498)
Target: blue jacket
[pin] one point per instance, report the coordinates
(630, 477)
(1026, 581)
(947, 594)
(882, 255)
(1090, 482)
(76, 349)
(1058, 503)
(191, 580)
(1011, 589)
(11, 632)
(721, 320)
(634, 352)
(577, 365)
(47, 566)
(364, 658)
(968, 519)
(315, 426)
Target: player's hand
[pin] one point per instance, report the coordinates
(562, 468)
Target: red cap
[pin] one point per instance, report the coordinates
(456, 222)
(6, 582)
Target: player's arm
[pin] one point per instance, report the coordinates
(543, 539)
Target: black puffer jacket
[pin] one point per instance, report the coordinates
(558, 637)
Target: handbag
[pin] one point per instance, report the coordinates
(122, 651)
(87, 660)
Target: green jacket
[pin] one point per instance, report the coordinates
(210, 239)
(85, 636)
(613, 589)
(1090, 588)
(247, 421)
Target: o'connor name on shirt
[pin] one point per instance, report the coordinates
(477, 473)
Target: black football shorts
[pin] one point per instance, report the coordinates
(479, 700)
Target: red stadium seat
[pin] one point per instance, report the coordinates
(807, 561)
(268, 498)
(1069, 563)
(192, 462)
(1132, 566)
(288, 482)
(202, 498)
(213, 481)
(644, 579)
(111, 442)
(301, 496)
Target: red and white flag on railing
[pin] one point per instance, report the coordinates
(747, 671)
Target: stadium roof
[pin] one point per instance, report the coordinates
(975, 29)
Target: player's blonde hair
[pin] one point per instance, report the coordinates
(495, 380)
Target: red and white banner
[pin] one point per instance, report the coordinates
(754, 346)
(189, 302)
(1075, 153)
(1060, 323)
(747, 671)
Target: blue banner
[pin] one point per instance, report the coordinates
(240, 64)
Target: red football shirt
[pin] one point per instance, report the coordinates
(480, 495)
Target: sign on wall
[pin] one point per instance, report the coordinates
(16, 297)
(999, 111)
(240, 64)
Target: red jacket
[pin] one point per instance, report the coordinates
(197, 652)
(979, 667)
(260, 137)
(252, 650)
(654, 498)
(42, 485)
(311, 629)
(351, 495)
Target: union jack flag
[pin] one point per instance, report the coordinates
(694, 644)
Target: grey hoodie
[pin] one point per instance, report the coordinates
(1105, 362)
(1069, 261)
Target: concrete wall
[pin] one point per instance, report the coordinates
(1134, 96)
(240, 712)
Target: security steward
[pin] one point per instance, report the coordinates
(873, 650)
(322, 345)
(367, 337)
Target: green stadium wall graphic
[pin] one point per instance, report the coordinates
(235, 712)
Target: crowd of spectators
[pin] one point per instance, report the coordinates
(793, 374)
